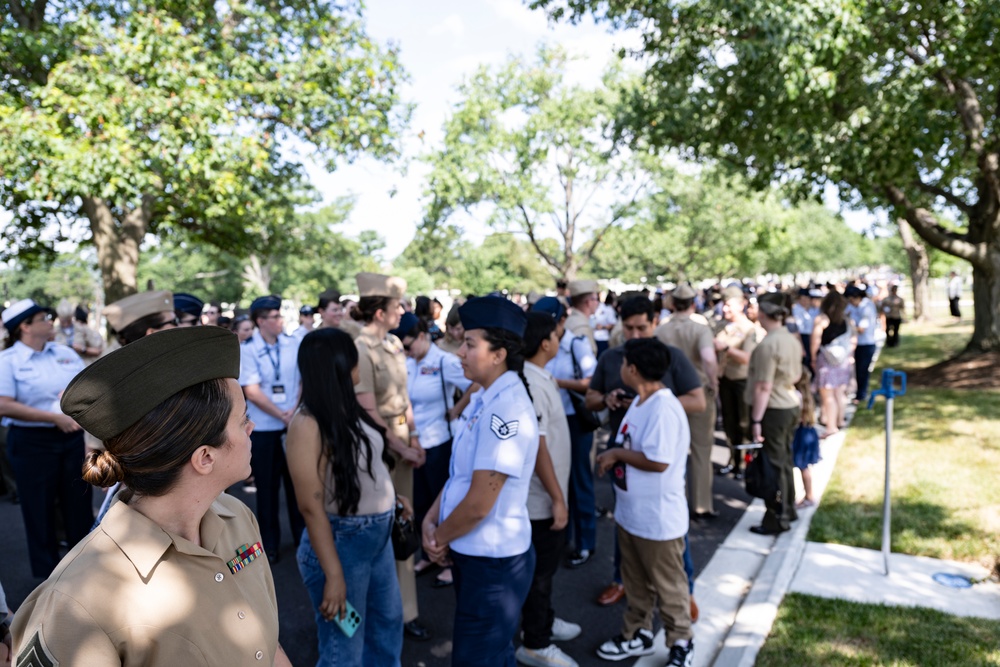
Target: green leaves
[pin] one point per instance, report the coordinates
(527, 152)
(186, 103)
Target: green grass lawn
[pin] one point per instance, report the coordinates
(945, 459)
(815, 631)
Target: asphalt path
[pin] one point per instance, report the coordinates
(574, 591)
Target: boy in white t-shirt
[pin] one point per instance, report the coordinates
(651, 511)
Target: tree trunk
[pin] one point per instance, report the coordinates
(919, 270)
(257, 276)
(986, 303)
(117, 244)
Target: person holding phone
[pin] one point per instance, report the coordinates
(340, 464)
(480, 519)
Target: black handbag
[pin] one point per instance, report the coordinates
(588, 420)
(761, 478)
(405, 538)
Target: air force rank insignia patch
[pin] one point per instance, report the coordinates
(502, 429)
(35, 654)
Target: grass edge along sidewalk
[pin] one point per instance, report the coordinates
(944, 506)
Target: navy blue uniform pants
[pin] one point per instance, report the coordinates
(270, 470)
(489, 594)
(48, 465)
(582, 504)
(863, 355)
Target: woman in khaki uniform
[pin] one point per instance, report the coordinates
(382, 393)
(775, 367)
(734, 343)
(175, 574)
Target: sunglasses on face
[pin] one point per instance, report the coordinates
(174, 321)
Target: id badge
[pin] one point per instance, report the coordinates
(278, 395)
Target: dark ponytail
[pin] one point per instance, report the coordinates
(514, 344)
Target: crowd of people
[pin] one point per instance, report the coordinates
(405, 440)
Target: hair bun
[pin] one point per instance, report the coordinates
(102, 469)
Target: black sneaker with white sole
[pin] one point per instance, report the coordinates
(619, 648)
(681, 656)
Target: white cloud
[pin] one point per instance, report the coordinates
(453, 25)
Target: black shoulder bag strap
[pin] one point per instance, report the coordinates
(444, 394)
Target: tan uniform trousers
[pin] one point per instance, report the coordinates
(653, 571)
(699, 472)
(402, 480)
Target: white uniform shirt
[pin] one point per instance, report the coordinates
(864, 316)
(276, 369)
(653, 505)
(36, 379)
(498, 432)
(431, 384)
(804, 318)
(561, 365)
(553, 425)
(605, 315)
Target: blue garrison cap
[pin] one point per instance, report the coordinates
(270, 302)
(493, 312)
(406, 325)
(188, 303)
(853, 290)
(550, 305)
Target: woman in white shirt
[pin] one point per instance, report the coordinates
(433, 377)
(480, 519)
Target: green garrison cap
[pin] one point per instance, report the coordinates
(117, 390)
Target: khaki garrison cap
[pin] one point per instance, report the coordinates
(684, 292)
(733, 292)
(578, 287)
(115, 391)
(375, 284)
(124, 312)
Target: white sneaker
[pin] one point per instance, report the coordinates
(550, 656)
(563, 631)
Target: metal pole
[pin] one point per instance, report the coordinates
(886, 505)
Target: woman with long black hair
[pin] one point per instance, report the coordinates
(340, 464)
(481, 517)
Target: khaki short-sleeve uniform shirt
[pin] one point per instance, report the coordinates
(739, 336)
(133, 594)
(579, 324)
(689, 337)
(778, 360)
(382, 367)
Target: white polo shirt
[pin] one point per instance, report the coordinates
(276, 369)
(36, 379)
(498, 432)
(561, 365)
(431, 384)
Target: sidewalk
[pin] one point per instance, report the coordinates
(741, 588)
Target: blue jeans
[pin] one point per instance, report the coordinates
(365, 552)
(489, 594)
(582, 504)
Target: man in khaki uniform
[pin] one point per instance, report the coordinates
(775, 367)
(696, 341)
(734, 342)
(584, 298)
(892, 310)
(382, 391)
(77, 335)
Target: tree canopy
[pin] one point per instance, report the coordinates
(183, 118)
(893, 103)
(529, 152)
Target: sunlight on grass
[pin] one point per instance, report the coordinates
(816, 631)
(946, 453)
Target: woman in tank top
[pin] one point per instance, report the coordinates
(832, 378)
